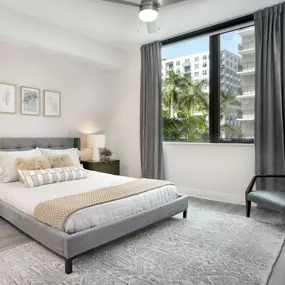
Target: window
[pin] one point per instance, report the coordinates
(177, 63)
(177, 70)
(184, 120)
(169, 65)
(237, 97)
(187, 69)
(224, 106)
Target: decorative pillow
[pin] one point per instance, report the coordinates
(9, 171)
(74, 154)
(35, 178)
(32, 163)
(59, 161)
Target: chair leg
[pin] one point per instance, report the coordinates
(248, 208)
(185, 214)
(68, 266)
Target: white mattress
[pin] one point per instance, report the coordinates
(26, 199)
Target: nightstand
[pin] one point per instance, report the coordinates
(112, 167)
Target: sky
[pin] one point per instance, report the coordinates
(229, 41)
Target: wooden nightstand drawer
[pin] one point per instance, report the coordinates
(112, 167)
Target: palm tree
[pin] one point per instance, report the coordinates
(173, 86)
(182, 99)
(228, 99)
(193, 99)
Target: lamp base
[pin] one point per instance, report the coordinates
(96, 154)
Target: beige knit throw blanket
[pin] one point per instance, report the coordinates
(55, 212)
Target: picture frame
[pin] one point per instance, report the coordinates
(52, 103)
(8, 98)
(30, 101)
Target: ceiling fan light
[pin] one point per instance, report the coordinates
(148, 13)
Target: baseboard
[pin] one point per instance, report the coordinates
(211, 195)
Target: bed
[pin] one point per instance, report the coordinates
(106, 222)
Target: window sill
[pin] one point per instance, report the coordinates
(209, 144)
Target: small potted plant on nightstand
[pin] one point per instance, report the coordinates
(105, 155)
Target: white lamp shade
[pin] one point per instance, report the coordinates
(96, 141)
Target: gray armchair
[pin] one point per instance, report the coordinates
(274, 200)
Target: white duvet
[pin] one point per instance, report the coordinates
(26, 199)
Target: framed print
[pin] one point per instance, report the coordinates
(30, 101)
(52, 103)
(8, 98)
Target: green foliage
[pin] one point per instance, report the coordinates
(185, 109)
(105, 152)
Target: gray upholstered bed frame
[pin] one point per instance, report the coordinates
(70, 246)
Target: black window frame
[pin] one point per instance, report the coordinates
(214, 71)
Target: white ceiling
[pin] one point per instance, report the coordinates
(117, 24)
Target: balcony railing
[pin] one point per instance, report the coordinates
(248, 114)
(248, 88)
(244, 46)
(187, 63)
(249, 65)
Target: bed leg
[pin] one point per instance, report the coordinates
(185, 214)
(68, 266)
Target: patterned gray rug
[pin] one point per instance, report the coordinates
(207, 249)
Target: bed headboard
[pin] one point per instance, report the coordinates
(16, 144)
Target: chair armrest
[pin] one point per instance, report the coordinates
(253, 180)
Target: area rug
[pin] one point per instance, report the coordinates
(208, 248)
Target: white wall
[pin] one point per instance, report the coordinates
(87, 92)
(227, 168)
(124, 130)
(211, 171)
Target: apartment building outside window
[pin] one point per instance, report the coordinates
(205, 64)
(197, 66)
(197, 58)
(204, 57)
(177, 63)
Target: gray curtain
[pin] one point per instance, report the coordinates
(270, 96)
(150, 112)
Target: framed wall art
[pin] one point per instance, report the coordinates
(52, 103)
(30, 101)
(8, 98)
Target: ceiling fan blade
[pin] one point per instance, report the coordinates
(151, 27)
(123, 2)
(163, 3)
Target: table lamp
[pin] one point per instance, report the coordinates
(96, 142)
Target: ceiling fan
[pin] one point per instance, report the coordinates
(148, 10)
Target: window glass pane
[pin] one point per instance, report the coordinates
(237, 84)
(186, 94)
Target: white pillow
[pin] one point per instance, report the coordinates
(74, 154)
(8, 159)
(35, 178)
